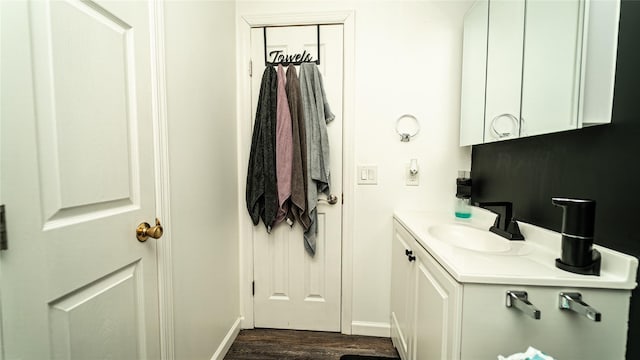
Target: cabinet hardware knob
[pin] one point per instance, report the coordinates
(412, 258)
(408, 252)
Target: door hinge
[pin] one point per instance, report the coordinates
(4, 243)
(250, 68)
(253, 288)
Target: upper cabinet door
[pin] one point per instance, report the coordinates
(504, 70)
(599, 54)
(551, 69)
(474, 73)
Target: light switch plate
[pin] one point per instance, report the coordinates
(367, 174)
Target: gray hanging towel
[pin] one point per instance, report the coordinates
(299, 184)
(262, 192)
(317, 114)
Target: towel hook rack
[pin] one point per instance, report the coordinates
(299, 58)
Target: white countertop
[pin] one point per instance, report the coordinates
(529, 262)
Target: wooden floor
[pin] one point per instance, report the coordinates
(268, 344)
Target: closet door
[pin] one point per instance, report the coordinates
(292, 289)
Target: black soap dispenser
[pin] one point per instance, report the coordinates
(578, 255)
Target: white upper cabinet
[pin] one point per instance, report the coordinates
(533, 67)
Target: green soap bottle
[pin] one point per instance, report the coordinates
(463, 195)
(463, 209)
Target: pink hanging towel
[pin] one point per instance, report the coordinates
(284, 149)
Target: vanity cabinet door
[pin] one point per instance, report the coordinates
(438, 311)
(402, 270)
(504, 70)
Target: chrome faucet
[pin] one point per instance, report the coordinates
(505, 224)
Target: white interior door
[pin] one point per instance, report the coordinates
(292, 289)
(77, 179)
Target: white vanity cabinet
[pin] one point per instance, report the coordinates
(434, 316)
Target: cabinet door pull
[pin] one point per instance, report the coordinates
(412, 258)
(519, 300)
(408, 252)
(573, 302)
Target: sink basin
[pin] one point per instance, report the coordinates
(469, 238)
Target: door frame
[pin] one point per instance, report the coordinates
(243, 81)
(164, 257)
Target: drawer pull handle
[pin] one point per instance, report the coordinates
(573, 302)
(520, 301)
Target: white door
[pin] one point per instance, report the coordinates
(77, 179)
(292, 289)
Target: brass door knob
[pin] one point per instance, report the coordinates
(145, 231)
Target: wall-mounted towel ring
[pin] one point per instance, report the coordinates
(407, 126)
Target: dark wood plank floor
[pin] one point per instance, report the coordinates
(269, 344)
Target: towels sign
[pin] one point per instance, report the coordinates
(278, 56)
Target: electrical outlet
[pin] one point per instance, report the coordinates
(411, 179)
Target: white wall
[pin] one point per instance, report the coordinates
(408, 60)
(200, 63)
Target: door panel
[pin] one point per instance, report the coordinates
(112, 306)
(292, 289)
(86, 104)
(77, 178)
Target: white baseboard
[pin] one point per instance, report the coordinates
(369, 328)
(246, 323)
(226, 343)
